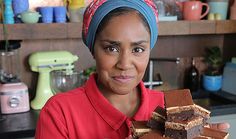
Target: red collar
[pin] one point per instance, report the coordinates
(108, 113)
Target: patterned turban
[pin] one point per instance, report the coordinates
(98, 9)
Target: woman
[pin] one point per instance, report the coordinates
(120, 35)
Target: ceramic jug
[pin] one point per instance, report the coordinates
(192, 10)
(8, 12)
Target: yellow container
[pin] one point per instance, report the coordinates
(76, 4)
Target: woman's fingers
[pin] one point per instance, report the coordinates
(220, 126)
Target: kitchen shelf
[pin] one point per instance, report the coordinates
(42, 31)
(73, 30)
(197, 27)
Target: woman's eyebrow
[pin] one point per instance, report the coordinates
(139, 42)
(111, 42)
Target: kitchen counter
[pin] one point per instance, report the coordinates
(23, 125)
(20, 125)
(219, 103)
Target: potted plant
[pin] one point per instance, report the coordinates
(212, 79)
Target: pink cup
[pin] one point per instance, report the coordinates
(192, 10)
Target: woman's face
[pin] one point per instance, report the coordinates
(122, 52)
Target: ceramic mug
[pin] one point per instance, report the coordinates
(59, 13)
(47, 14)
(192, 10)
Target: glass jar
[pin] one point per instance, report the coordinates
(9, 62)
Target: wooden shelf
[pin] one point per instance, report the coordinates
(42, 31)
(73, 30)
(197, 27)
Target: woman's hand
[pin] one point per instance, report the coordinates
(220, 126)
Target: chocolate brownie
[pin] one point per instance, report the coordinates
(214, 133)
(184, 129)
(139, 128)
(154, 134)
(179, 104)
(158, 118)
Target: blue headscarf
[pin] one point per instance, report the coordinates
(98, 9)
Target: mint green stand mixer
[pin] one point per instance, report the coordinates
(44, 63)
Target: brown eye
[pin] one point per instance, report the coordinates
(138, 50)
(111, 49)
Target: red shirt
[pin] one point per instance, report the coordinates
(84, 113)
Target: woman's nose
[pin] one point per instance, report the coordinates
(124, 61)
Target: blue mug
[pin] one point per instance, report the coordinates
(46, 13)
(59, 13)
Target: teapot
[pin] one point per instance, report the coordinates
(29, 17)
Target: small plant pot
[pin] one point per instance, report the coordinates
(212, 83)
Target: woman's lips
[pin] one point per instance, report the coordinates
(123, 79)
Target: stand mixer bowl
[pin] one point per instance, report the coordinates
(62, 80)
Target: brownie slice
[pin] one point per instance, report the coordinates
(213, 133)
(154, 134)
(184, 129)
(183, 134)
(178, 98)
(139, 128)
(179, 104)
(158, 118)
(198, 110)
(159, 112)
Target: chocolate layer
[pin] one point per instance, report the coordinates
(183, 115)
(183, 134)
(153, 135)
(157, 125)
(202, 112)
(178, 109)
(176, 98)
(184, 125)
(214, 133)
(159, 112)
(139, 128)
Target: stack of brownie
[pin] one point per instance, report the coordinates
(184, 118)
(181, 119)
